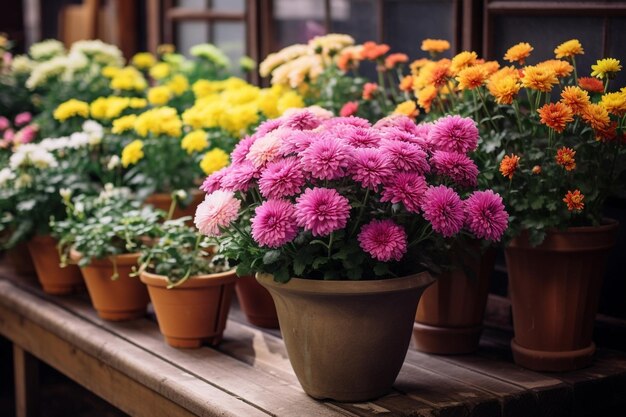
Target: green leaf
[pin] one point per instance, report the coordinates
(271, 256)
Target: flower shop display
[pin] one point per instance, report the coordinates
(341, 220)
(190, 286)
(104, 235)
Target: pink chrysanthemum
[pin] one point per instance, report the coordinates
(238, 155)
(301, 119)
(265, 149)
(274, 223)
(360, 137)
(407, 188)
(383, 240)
(398, 121)
(350, 121)
(297, 141)
(281, 178)
(214, 181)
(217, 210)
(454, 134)
(322, 211)
(239, 177)
(371, 167)
(327, 158)
(485, 215)
(443, 208)
(406, 157)
(456, 166)
(393, 133)
(267, 127)
(349, 109)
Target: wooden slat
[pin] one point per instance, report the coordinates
(26, 376)
(179, 13)
(556, 7)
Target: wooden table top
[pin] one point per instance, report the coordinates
(249, 374)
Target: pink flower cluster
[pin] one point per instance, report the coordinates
(19, 133)
(309, 173)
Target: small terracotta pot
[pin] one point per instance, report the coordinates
(449, 319)
(256, 303)
(163, 201)
(124, 298)
(347, 340)
(21, 261)
(555, 291)
(193, 312)
(54, 279)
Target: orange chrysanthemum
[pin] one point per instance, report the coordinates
(417, 65)
(614, 103)
(368, 90)
(373, 51)
(407, 108)
(435, 46)
(575, 98)
(426, 96)
(536, 170)
(569, 49)
(504, 89)
(463, 60)
(556, 116)
(596, 116)
(593, 85)
(490, 67)
(565, 158)
(407, 83)
(471, 77)
(394, 59)
(561, 68)
(347, 60)
(518, 52)
(509, 165)
(574, 200)
(608, 133)
(539, 78)
(439, 74)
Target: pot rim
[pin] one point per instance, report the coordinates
(330, 287)
(205, 280)
(44, 238)
(123, 259)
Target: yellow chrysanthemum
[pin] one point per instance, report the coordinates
(463, 60)
(575, 98)
(268, 103)
(160, 95)
(213, 161)
(569, 49)
(143, 60)
(160, 71)
(98, 108)
(539, 78)
(518, 53)
(504, 89)
(435, 45)
(110, 72)
(606, 67)
(178, 84)
(596, 116)
(238, 119)
(137, 103)
(195, 141)
(426, 96)
(132, 153)
(407, 108)
(614, 103)
(203, 88)
(159, 121)
(128, 78)
(124, 124)
(417, 65)
(71, 108)
(289, 100)
(471, 77)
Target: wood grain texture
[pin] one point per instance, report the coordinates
(26, 376)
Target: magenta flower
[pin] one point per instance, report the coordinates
(214, 181)
(217, 210)
(4, 123)
(454, 134)
(456, 166)
(443, 208)
(322, 211)
(407, 188)
(397, 121)
(267, 127)
(383, 240)
(406, 156)
(485, 215)
(301, 119)
(239, 177)
(350, 121)
(23, 118)
(360, 137)
(274, 223)
(281, 178)
(371, 167)
(296, 141)
(238, 155)
(395, 134)
(327, 158)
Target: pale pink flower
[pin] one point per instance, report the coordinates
(264, 149)
(371, 167)
(267, 127)
(4, 123)
(300, 119)
(485, 215)
(274, 223)
(217, 210)
(383, 240)
(407, 188)
(238, 155)
(456, 166)
(454, 134)
(405, 156)
(443, 208)
(327, 158)
(397, 121)
(322, 211)
(350, 121)
(214, 181)
(239, 177)
(297, 141)
(23, 118)
(281, 178)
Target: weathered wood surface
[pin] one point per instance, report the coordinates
(249, 374)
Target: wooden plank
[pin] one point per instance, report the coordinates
(26, 377)
(109, 366)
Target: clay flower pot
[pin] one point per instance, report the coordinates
(54, 279)
(163, 201)
(347, 340)
(124, 298)
(555, 291)
(449, 317)
(193, 312)
(256, 303)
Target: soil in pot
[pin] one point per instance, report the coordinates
(193, 312)
(53, 278)
(256, 303)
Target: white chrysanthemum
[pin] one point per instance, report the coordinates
(6, 175)
(47, 49)
(212, 53)
(21, 64)
(32, 154)
(98, 51)
(79, 140)
(274, 60)
(46, 70)
(94, 130)
(114, 162)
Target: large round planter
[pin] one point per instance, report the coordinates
(124, 298)
(194, 311)
(256, 303)
(54, 279)
(163, 201)
(555, 290)
(347, 340)
(449, 319)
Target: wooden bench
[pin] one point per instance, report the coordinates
(130, 366)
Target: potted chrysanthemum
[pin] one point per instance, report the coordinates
(342, 221)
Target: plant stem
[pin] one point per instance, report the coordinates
(358, 219)
(482, 99)
(330, 243)
(517, 115)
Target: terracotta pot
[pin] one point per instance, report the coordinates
(193, 312)
(163, 201)
(347, 340)
(449, 317)
(256, 303)
(21, 261)
(555, 290)
(124, 298)
(54, 279)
